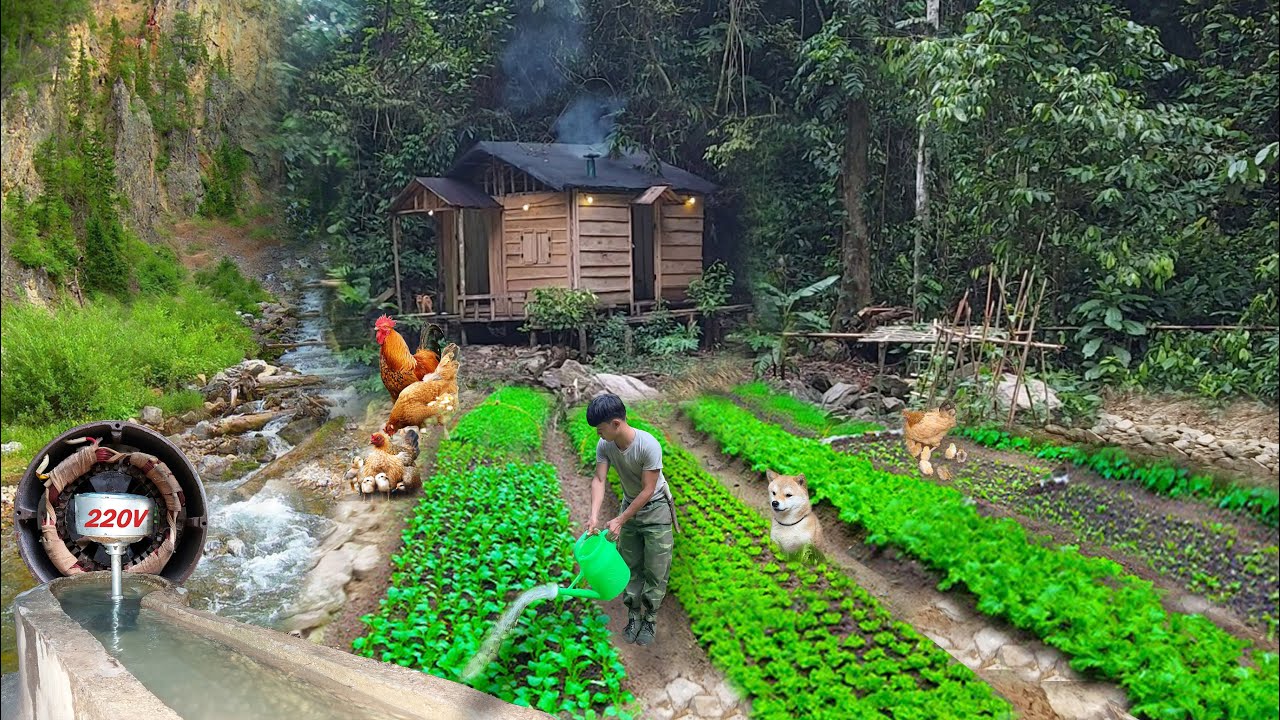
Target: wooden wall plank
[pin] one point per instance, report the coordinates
(604, 259)
(681, 267)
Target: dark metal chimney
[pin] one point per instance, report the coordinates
(591, 164)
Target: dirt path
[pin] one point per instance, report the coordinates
(1035, 678)
(673, 677)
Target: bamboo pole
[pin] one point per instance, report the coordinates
(936, 379)
(1026, 350)
(1014, 317)
(395, 256)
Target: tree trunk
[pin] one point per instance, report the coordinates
(933, 11)
(855, 251)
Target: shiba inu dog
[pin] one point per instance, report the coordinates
(794, 524)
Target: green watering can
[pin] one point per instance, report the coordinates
(601, 565)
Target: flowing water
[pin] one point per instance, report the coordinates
(498, 633)
(200, 679)
(260, 548)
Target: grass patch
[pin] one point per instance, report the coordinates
(109, 360)
(225, 282)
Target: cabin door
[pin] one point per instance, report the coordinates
(642, 253)
(475, 249)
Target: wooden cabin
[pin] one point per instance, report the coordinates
(511, 217)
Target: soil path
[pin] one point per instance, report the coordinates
(673, 677)
(1034, 677)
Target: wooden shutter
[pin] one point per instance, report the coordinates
(544, 247)
(528, 256)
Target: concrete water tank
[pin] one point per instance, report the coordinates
(32, 505)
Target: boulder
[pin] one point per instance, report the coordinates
(214, 467)
(890, 385)
(840, 395)
(153, 416)
(572, 381)
(871, 401)
(1028, 389)
(628, 388)
(892, 404)
(801, 390)
(820, 382)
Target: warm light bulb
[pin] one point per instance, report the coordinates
(526, 206)
(690, 201)
(590, 199)
(431, 212)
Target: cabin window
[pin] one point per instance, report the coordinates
(535, 248)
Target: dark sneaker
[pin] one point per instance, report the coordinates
(645, 636)
(633, 626)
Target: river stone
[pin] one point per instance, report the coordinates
(1080, 701)
(214, 467)
(1016, 656)
(989, 640)
(152, 415)
(235, 546)
(1124, 425)
(1238, 450)
(682, 691)
(660, 710)
(707, 706)
(840, 395)
(366, 560)
(892, 404)
(728, 695)
(1029, 388)
(1206, 440)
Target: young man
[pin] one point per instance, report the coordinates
(644, 529)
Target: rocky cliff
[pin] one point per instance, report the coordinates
(159, 174)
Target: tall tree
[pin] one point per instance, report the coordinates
(922, 184)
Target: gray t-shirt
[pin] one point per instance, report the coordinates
(644, 453)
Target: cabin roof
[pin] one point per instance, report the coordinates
(458, 193)
(563, 166)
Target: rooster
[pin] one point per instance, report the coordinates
(399, 368)
(435, 396)
(925, 431)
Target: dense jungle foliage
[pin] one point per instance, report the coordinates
(1127, 149)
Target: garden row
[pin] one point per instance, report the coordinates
(491, 524)
(1160, 477)
(1229, 564)
(802, 641)
(1111, 623)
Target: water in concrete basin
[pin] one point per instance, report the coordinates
(198, 678)
(498, 633)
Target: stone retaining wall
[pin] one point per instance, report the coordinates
(1256, 457)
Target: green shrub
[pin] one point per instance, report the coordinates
(225, 282)
(224, 185)
(103, 360)
(156, 268)
(559, 309)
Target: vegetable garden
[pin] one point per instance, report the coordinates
(803, 641)
(801, 638)
(1110, 622)
(491, 523)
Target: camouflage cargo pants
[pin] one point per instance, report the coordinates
(646, 544)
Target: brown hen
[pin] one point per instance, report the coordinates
(925, 431)
(433, 397)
